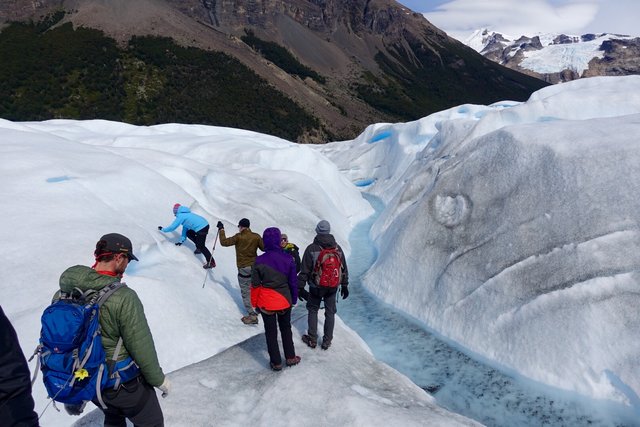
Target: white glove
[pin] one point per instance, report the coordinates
(165, 387)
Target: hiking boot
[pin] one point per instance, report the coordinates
(293, 361)
(210, 264)
(275, 367)
(309, 341)
(325, 344)
(250, 319)
(197, 251)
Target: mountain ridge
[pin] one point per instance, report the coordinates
(380, 61)
(560, 57)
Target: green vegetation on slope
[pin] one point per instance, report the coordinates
(281, 57)
(58, 74)
(82, 74)
(439, 80)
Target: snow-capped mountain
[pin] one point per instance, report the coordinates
(559, 57)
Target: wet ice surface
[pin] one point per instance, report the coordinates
(458, 382)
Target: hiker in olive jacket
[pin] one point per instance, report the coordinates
(247, 244)
(121, 316)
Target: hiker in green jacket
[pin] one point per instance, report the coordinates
(121, 316)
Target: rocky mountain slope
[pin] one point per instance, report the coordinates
(559, 57)
(375, 60)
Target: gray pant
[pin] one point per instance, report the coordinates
(316, 295)
(244, 280)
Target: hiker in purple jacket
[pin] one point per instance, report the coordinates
(274, 289)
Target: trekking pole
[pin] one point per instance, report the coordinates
(206, 274)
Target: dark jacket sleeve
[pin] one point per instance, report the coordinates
(292, 280)
(306, 268)
(296, 258)
(16, 402)
(344, 280)
(256, 279)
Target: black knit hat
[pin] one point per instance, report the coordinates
(115, 243)
(244, 222)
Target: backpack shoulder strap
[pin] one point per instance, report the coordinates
(107, 291)
(103, 295)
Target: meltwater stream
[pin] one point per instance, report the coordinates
(458, 382)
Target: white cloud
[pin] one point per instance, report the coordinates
(460, 17)
(619, 17)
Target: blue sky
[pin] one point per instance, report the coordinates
(515, 17)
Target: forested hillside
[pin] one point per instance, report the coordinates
(82, 74)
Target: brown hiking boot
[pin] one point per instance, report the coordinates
(293, 361)
(250, 319)
(275, 367)
(309, 341)
(326, 343)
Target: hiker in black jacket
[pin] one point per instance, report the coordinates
(16, 402)
(316, 294)
(292, 250)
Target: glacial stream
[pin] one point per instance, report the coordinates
(457, 381)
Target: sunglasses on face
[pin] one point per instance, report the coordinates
(126, 256)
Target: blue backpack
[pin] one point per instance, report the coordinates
(73, 362)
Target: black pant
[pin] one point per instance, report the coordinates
(271, 323)
(200, 239)
(16, 403)
(135, 400)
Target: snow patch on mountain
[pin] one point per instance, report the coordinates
(543, 53)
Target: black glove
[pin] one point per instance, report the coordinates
(220, 225)
(178, 243)
(160, 227)
(303, 295)
(344, 291)
(74, 409)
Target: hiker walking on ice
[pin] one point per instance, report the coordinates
(291, 249)
(321, 288)
(124, 329)
(247, 244)
(195, 228)
(274, 290)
